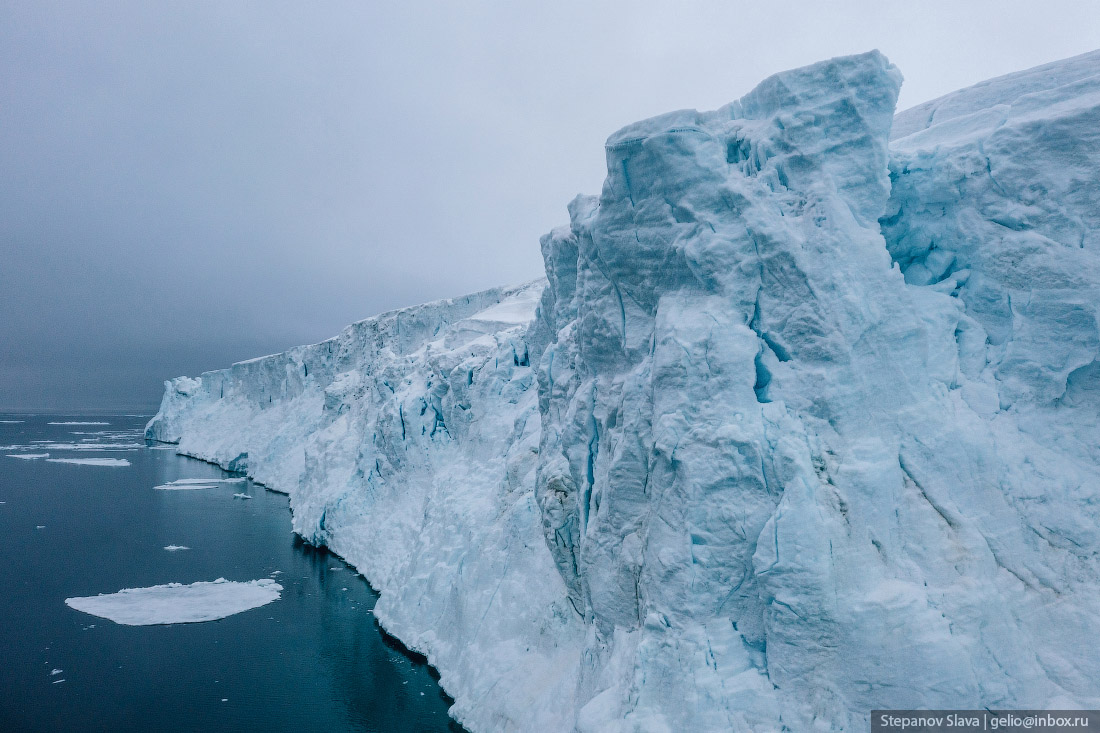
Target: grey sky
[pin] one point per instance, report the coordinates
(185, 184)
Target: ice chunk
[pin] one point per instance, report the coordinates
(92, 461)
(176, 548)
(77, 422)
(241, 496)
(175, 603)
(28, 456)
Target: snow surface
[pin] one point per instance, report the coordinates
(92, 461)
(803, 424)
(175, 603)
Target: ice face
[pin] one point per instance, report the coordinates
(803, 423)
(179, 604)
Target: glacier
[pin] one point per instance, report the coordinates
(801, 422)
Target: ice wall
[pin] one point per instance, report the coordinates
(805, 424)
(408, 446)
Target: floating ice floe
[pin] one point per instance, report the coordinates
(192, 484)
(175, 603)
(241, 496)
(176, 548)
(10, 422)
(92, 461)
(84, 446)
(28, 456)
(78, 422)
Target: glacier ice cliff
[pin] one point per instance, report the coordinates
(801, 423)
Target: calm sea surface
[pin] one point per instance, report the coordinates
(313, 660)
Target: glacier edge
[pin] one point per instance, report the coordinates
(801, 423)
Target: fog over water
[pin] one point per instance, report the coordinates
(185, 185)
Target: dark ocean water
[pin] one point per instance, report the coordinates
(313, 660)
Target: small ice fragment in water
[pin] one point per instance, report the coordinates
(28, 456)
(77, 422)
(176, 548)
(241, 496)
(55, 671)
(92, 461)
(197, 483)
(175, 603)
(39, 526)
(58, 682)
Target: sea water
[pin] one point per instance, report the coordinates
(315, 659)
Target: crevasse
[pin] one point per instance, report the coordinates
(801, 423)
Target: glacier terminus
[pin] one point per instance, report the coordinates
(802, 422)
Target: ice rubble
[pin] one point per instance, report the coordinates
(805, 423)
(175, 603)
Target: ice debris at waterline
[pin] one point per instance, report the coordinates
(28, 456)
(804, 424)
(192, 484)
(176, 548)
(175, 603)
(91, 461)
(78, 423)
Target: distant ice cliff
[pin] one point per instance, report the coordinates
(802, 423)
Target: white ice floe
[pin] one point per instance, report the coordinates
(175, 603)
(28, 456)
(92, 461)
(241, 496)
(176, 548)
(10, 422)
(83, 446)
(192, 484)
(78, 422)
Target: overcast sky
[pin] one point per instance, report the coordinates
(187, 184)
